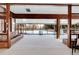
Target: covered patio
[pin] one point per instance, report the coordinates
(18, 20)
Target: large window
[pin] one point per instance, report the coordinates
(75, 28)
(3, 36)
(63, 28)
(36, 26)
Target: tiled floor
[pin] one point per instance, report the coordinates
(38, 45)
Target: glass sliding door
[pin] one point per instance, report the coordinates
(3, 35)
(75, 28)
(63, 28)
(75, 23)
(35, 26)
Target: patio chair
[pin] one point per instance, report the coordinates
(75, 46)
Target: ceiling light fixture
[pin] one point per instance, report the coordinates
(28, 10)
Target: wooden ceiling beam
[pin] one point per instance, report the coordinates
(11, 13)
(2, 8)
(44, 16)
(56, 4)
(34, 4)
(35, 16)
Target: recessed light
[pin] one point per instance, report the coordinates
(28, 10)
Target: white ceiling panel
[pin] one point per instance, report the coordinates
(39, 9)
(75, 9)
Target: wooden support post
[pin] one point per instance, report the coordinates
(15, 24)
(8, 24)
(58, 28)
(4, 26)
(69, 24)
